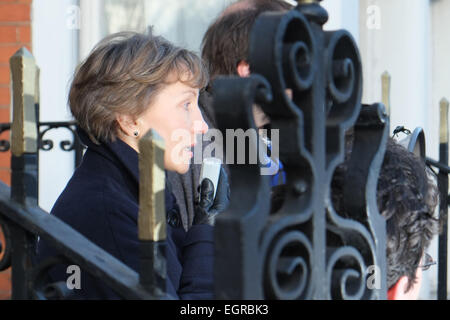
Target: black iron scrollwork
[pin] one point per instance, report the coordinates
(250, 206)
(65, 145)
(305, 249)
(4, 144)
(42, 288)
(361, 226)
(46, 144)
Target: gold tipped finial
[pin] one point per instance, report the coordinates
(24, 128)
(152, 212)
(443, 126)
(386, 91)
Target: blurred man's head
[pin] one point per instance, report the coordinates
(225, 45)
(407, 197)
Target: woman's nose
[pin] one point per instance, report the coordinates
(200, 126)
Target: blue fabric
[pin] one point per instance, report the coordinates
(279, 177)
(101, 202)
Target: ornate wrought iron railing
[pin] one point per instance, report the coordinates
(47, 144)
(303, 250)
(306, 249)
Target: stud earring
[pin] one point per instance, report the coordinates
(136, 133)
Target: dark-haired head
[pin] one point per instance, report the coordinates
(407, 196)
(225, 43)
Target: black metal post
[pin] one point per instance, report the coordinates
(24, 190)
(24, 163)
(443, 204)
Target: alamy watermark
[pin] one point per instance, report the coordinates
(373, 281)
(241, 147)
(373, 21)
(74, 279)
(73, 17)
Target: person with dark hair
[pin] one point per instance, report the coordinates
(407, 196)
(225, 50)
(225, 45)
(131, 83)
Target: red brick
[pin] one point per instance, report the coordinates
(14, 12)
(5, 279)
(2, 238)
(4, 75)
(24, 34)
(8, 34)
(5, 176)
(4, 116)
(7, 51)
(5, 296)
(5, 158)
(5, 96)
(5, 284)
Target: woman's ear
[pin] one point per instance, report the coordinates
(127, 124)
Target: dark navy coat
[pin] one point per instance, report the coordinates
(101, 202)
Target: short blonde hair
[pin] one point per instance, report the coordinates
(123, 74)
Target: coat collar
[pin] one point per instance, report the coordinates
(117, 151)
(126, 157)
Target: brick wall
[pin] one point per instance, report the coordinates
(15, 32)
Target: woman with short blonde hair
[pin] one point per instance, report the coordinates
(129, 84)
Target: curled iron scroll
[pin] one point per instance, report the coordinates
(288, 267)
(45, 144)
(359, 224)
(346, 270)
(359, 229)
(40, 285)
(5, 145)
(287, 58)
(283, 50)
(65, 145)
(249, 207)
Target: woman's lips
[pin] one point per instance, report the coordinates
(189, 151)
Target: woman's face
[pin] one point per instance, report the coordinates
(175, 115)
